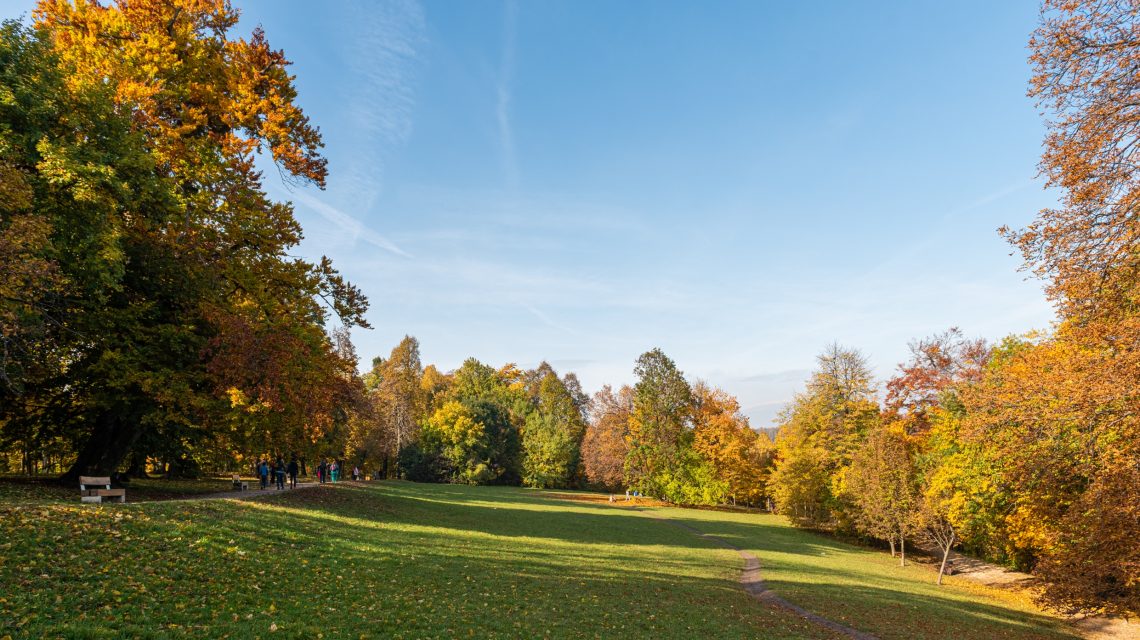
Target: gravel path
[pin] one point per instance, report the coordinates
(1091, 627)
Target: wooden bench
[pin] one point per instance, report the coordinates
(239, 484)
(94, 489)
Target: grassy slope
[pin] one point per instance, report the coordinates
(867, 589)
(390, 560)
(421, 561)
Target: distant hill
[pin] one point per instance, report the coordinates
(771, 431)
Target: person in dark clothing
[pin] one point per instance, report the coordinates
(263, 473)
(293, 473)
(279, 472)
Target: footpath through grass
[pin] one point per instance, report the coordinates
(402, 560)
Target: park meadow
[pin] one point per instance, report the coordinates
(192, 445)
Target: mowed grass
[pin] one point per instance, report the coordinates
(386, 560)
(867, 589)
(404, 560)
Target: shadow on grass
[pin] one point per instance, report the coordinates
(353, 560)
(496, 511)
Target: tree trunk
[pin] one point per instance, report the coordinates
(902, 551)
(137, 468)
(945, 556)
(893, 552)
(110, 442)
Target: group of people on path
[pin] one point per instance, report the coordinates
(275, 471)
(329, 471)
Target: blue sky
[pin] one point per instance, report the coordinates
(739, 184)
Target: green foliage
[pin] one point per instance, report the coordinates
(552, 437)
(473, 436)
(658, 426)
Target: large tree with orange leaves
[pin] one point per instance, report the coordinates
(206, 316)
(722, 436)
(1064, 414)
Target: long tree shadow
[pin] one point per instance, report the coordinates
(234, 567)
(495, 511)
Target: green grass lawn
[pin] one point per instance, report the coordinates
(404, 560)
(867, 589)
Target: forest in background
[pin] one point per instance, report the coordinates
(153, 320)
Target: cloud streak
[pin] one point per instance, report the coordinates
(547, 319)
(350, 224)
(383, 51)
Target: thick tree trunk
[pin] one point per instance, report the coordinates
(110, 442)
(893, 552)
(137, 468)
(945, 556)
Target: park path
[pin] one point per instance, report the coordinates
(754, 584)
(1090, 627)
(250, 494)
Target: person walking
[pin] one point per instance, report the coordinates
(293, 469)
(279, 472)
(321, 468)
(334, 469)
(263, 473)
(355, 473)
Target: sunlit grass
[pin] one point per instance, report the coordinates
(403, 560)
(868, 589)
(388, 560)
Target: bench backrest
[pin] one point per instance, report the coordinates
(85, 481)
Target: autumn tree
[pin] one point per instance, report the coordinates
(722, 436)
(473, 435)
(605, 444)
(1063, 414)
(194, 315)
(882, 484)
(1056, 416)
(821, 429)
(397, 404)
(937, 365)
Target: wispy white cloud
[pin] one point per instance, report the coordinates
(503, 103)
(994, 196)
(383, 47)
(349, 224)
(547, 319)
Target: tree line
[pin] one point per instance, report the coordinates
(667, 438)
(1026, 451)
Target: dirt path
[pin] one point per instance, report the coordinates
(251, 494)
(1090, 627)
(754, 584)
